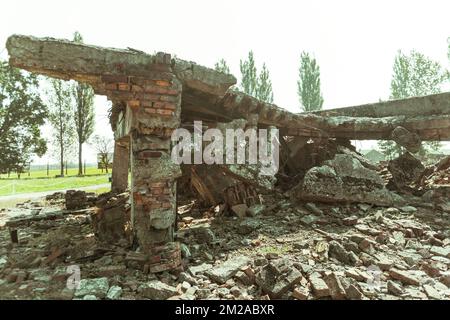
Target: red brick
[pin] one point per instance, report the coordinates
(115, 78)
(111, 86)
(151, 154)
(152, 97)
(157, 191)
(170, 106)
(164, 112)
(167, 205)
(168, 98)
(146, 103)
(136, 88)
(158, 184)
(134, 103)
(124, 86)
(150, 110)
(162, 83)
(160, 90)
(155, 206)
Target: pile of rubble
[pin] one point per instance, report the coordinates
(333, 227)
(286, 250)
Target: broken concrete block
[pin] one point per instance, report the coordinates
(353, 293)
(200, 268)
(277, 278)
(337, 251)
(300, 293)
(114, 293)
(394, 288)
(97, 287)
(319, 286)
(406, 277)
(431, 292)
(345, 179)
(405, 170)
(157, 290)
(227, 269)
(440, 251)
(337, 290)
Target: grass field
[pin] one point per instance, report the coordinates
(38, 181)
(53, 173)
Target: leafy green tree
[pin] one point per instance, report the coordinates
(264, 87)
(61, 111)
(414, 74)
(309, 92)
(222, 66)
(258, 86)
(22, 113)
(84, 117)
(249, 81)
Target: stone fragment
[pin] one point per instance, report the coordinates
(157, 290)
(337, 290)
(277, 278)
(114, 293)
(203, 293)
(440, 251)
(313, 208)
(319, 286)
(97, 287)
(200, 268)
(337, 251)
(353, 293)
(406, 277)
(350, 221)
(431, 292)
(394, 288)
(300, 293)
(227, 269)
(345, 179)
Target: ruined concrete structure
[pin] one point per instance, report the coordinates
(154, 94)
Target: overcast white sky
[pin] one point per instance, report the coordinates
(354, 41)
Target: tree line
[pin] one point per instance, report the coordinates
(69, 109)
(413, 74)
(70, 105)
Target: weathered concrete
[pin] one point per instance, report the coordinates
(121, 163)
(345, 179)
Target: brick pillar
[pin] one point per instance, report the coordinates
(152, 111)
(154, 175)
(121, 163)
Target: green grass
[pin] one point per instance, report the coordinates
(15, 186)
(53, 173)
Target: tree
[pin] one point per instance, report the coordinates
(22, 113)
(258, 86)
(222, 66)
(264, 87)
(414, 74)
(104, 146)
(61, 111)
(309, 92)
(249, 82)
(84, 117)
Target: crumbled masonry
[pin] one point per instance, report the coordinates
(329, 225)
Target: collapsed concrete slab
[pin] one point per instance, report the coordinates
(344, 179)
